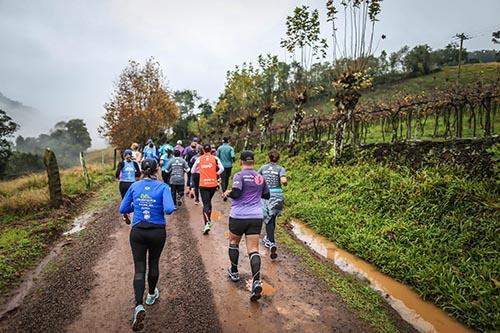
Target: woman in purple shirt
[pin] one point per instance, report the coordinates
(246, 216)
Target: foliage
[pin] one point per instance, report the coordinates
(7, 128)
(66, 139)
(187, 102)
(434, 229)
(140, 107)
(20, 163)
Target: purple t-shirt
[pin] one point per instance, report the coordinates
(252, 186)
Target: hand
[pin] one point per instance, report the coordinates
(226, 194)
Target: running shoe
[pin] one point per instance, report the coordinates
(126, 219)
(256, 290)
(197, 202)
(151, 299)
(138, 318)
(234, 276)
(273, 249)
(266, 242)
(207, 227)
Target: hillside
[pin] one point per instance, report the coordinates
(446, 78)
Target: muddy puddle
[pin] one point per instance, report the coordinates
(29, 278)
(424, 316)
(79, 223)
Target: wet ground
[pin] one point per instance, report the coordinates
(88, 287)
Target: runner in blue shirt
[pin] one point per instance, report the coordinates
(149, 199)
(127, 172)
(226, 155)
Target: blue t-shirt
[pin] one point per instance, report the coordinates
(226, 155)
(166, 159)
(150, 200)
(150, 153)
(127, 173)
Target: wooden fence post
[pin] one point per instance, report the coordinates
(85, 172)
(55, 191)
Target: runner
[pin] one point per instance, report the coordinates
(209, 167)
(127, 172)
(245, 218)
(275, 176)
(165, 158)
(177, 167)
(188, 154)
(226, 154)
(150, 151)
(195, 179)
(179, 147)
(136, 154)
(149, 199)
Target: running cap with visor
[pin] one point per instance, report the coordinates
(247, 156)
(127, 152)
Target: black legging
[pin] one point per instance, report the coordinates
(270, 227)
(207, 193)
(196, 182)
(123, 187)
(142, 241)
(177, 191)
(226, 174)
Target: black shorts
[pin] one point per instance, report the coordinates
(245, 226)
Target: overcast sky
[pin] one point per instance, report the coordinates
(62, 57)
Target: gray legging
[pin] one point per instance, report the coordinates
(145, 238)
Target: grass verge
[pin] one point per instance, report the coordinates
(28, 226)
(358, 296)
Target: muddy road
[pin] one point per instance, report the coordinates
(88, 288)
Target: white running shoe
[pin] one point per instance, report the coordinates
(234, 276)
(138, 318)
(207, 227)
(256, 290)
(151, 299)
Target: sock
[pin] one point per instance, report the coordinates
(255, 265)
(234, 254)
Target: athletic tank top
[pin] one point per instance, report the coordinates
(208, 171)
(128, 172)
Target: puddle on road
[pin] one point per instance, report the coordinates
(267, 289)
(79, 223)
(216, 215)
(424, 316)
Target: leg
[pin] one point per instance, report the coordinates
(196, 178)
(234, 242)
(157, 239)
(225, 178)
(270, 227)
(164, 176)
(252, 239)
(174, 194)
(206, 198)
(139, 250)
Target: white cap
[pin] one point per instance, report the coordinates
(179, 142)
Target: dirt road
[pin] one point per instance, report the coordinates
(90, 287)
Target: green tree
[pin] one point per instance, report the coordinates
(419, 60)
(7, 128)
(186, 101)
(302, 40)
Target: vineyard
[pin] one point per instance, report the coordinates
(440, 115)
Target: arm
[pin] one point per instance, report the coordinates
(169, 165)
(168, 203)
(265, 192)
(236, 188)
(232, 154)
(137, 170)
(220, 166)
(126, 204)
(118, 170)
(186, 167)
(283, 179)
(195, 165)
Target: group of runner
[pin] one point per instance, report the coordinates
(256, 198)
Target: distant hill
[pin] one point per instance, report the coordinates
(31, 121)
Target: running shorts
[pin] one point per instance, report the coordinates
(245, 226)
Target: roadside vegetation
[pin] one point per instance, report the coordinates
(435, 229)
(28, 226)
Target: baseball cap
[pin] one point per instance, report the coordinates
(195, 139)
(127, 152)
(179, 142)
(149, 141)
(247, 156)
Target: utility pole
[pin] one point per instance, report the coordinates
(462, 37)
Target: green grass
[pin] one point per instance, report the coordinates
(359, 297)
(434, 229)
(28, 226)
